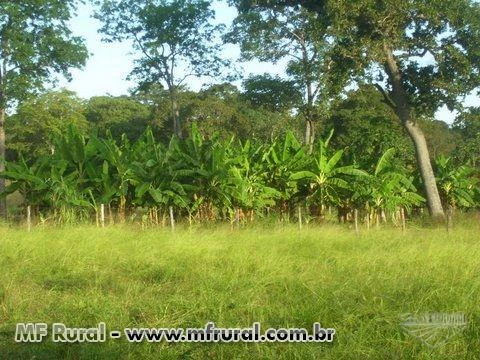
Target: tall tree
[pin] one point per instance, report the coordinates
(276, 33)
(441, 138)
(175, 39)
(272, 93)
(365, 127)
(119, 115)
(35, 43)
(427, 51)
(467, 124)
(30, 131)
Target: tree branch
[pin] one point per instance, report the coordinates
(386, 97)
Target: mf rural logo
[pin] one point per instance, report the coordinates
(434, 329)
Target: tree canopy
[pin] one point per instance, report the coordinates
(174, 39)
(31, 129)
(420, 54)
(276, 33)
(35, 45)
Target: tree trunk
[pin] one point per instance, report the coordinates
(426, 171)
(308, 132)
(177, 128)
(310, 124)
(402, 109)
(3, 200)
(310, 135)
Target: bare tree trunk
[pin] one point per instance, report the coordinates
(122, 209)
(310, 124)
(3, 200)
(110, 215)
(449, 218)
(177, 128)
(426, 170)
(308, 134)
(402, 109)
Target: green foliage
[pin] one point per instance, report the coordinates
(174, 39)
(457, 184)
(436, 44)
(327, 177)
(119, 115)
(220, 109)
(387, 187)
(210, 178)
(36, 44)
(37, 120)
(365, 127)
(284, 158)
(166, 33)
(467, 125)
(272, 93)
(440, 138)
(276, 33)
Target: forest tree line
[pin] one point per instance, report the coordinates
(118, 154)
(375, 72)
(363, 126)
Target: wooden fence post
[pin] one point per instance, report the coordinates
(237, 217)
(300, 216)
(355, 217)
(29, 218)
(102, 215)
(172, 219)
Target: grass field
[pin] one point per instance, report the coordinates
(279, 276)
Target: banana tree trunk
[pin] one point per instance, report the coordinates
(402, 109)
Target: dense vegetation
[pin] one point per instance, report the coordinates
(376, 75)
(209, 178)
(251, 170)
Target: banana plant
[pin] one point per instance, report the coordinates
(457, 184)
(117, 173)
(208, 162)
(386, 189)
(284, 158)
(31, 181)
(158, 176)
(327, 178)
(247, 176)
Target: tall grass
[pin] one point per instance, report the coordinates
(279, 276)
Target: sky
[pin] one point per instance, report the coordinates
(109, 63)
